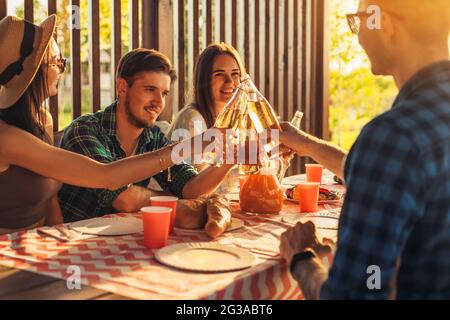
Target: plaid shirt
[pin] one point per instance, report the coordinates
(396, 213)
(95, 135)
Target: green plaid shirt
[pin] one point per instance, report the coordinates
(95, 135)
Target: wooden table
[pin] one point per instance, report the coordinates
(19, 284)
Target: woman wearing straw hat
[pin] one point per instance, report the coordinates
(31, 169)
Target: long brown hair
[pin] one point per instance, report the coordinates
(26, 112)
(202, 96)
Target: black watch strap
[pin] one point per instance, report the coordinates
(304, 255)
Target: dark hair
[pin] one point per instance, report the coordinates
(202, 99)
(144, 60)
(26, 112)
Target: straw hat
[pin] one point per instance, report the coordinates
(22, 45)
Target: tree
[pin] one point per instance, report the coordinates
(356, 96)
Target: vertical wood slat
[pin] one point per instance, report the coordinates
(3, 8)
(307, 77)
(134, 23)
(247, 35)
(296, 163)
(268, 52)
(94, 55)
(323, 38)
(29, 10)
(175, 105)
(116, 50)
(282, 86)
(287, 103)
(150, 20)
(181, 50)
(305, 63)
(319, 108)
(276, 49)
(196, 29)
(76, 68)
(209, 29)
(165, 27)
(51, 6)
(257, 43)
(222, 20)
(234, 23)
(189, 43)
(165, 45)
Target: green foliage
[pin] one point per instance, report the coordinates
(356, 96)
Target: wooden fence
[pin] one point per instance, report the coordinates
(283, 44)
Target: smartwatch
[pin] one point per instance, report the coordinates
(304, 255)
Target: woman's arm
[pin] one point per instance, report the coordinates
(325, 153)
(22, 149)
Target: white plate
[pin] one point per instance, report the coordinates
(113, 226)
(235, 224)
(322, 220)
(205, 257)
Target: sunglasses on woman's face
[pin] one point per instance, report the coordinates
(60, 63)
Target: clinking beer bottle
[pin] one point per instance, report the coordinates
(232, 117)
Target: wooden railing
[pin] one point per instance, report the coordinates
(283, 44)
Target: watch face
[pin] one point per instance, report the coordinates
(304, 255)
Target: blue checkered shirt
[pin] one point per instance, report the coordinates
(396, 214)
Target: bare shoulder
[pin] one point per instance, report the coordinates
(12, 137)
(17, 144)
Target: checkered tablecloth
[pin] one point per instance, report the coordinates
(122, 265)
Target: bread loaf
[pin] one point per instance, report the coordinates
(219, 216)
(191, 214)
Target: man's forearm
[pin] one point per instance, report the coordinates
(132, 199)
(206, 181)
(310, 275)
(325, 153)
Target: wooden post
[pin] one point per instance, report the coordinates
(116, 50)
(3, 8)
(94, 55)
(150, 16)
(51, 5)
(320, 61)
(29, 10)
(134, 23)
(76, 68)
(165, 45)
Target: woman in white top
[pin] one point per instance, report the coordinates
(217, 75)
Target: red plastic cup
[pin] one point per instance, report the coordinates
(169, 202)
(308, 196)
(314, 172)
(156, 222)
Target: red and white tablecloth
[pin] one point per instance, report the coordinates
(122, 265)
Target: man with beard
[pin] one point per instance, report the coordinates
(127, 128)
